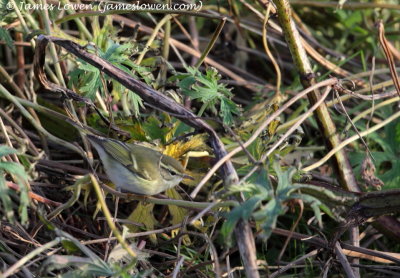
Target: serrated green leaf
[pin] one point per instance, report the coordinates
(92, 84)
(207, 89)
(144, 72)
(84, 66)
(88, 78)
(136, 102)
(259, 190)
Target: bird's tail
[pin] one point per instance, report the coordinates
(82, 128)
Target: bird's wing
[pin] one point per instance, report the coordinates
(122, 153)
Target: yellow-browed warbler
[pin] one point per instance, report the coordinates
(135, 168)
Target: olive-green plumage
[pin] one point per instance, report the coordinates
(135, 168)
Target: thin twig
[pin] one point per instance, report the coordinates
(343, 260)
(15, 267)
(389, 56)
(352, 124)
(295, 262)
(211, 43)
(349, 140)
(287, 134)
(270, 56)
(178, 267)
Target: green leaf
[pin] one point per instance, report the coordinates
(144, 72)
(210, 92)
(93, 84)
(243, 211)
(153, 129)
(136, 102)
(24, 201)
(5, 199)
(5, 36)
(261, 178)
(386, 161)
(21, 178)
(314, 204)
(6, 150)
(88, 78)
(259, 190)
(352, 19)
(3, 8)
(15, 169)
(269, 216)
(228, 108)
(186, 84)
(284, 178)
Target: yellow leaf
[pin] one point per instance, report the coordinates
(178, 214)
(272, 127)
(143, 214)
(179, 148)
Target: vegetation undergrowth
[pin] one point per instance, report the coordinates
(290, 138)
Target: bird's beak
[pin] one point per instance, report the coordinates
(188, 177)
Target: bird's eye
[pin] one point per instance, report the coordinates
(172, 172)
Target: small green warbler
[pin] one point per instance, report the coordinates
(135, 168)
